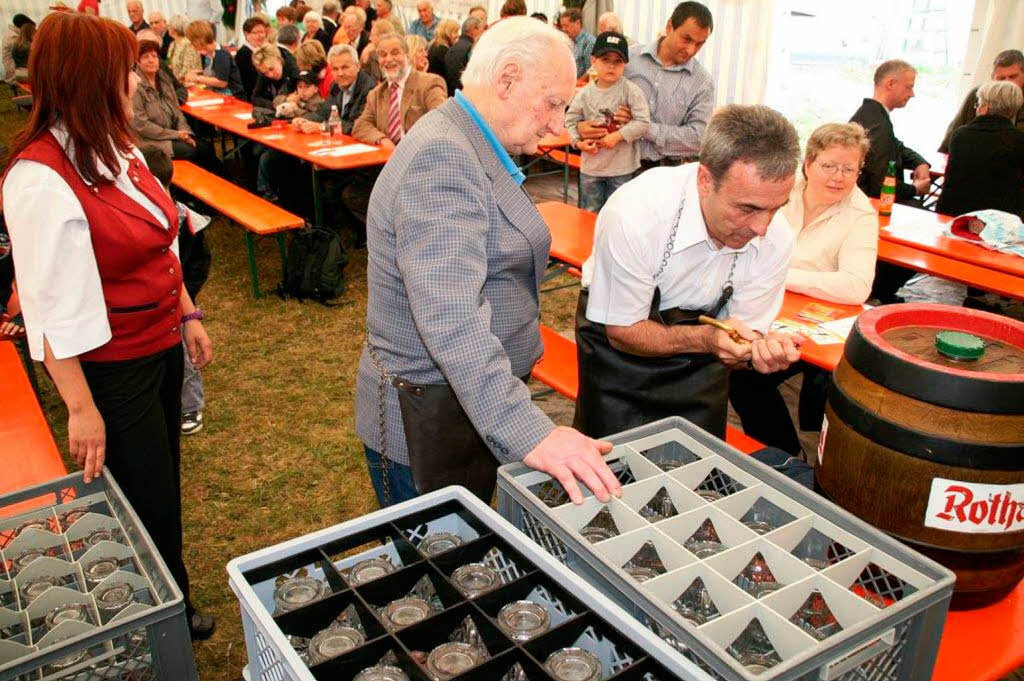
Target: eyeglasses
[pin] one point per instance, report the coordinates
(832, 168)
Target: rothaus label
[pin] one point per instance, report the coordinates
(975, 508)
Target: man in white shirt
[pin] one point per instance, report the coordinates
(677, 242)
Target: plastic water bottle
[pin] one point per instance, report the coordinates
(334, 121)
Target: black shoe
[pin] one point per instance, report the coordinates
(201, 626)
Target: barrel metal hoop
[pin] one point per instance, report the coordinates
(948, 452)
(929, 385)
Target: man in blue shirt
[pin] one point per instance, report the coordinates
(571, 23)
(426, 25)
(455, 252)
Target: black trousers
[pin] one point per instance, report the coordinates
(762, 410)
(140, 401)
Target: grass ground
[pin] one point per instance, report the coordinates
(278, 456)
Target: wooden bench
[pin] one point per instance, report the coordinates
(257, 216)
(573, 161)
(29, 455)
(557, 369)
(1003, 283)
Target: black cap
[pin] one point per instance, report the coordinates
(308, 77)
(610, 41)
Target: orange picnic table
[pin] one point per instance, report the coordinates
(925, 230)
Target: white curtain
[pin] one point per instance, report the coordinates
(997, 25)
(37, 9)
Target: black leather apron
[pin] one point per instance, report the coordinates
(619, 390)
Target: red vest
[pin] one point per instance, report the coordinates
(140, 275)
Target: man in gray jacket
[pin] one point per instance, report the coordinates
(456, 250)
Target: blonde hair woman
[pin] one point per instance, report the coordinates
(446, 35)
(416, 48)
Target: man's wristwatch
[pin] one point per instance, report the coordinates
(196, 314)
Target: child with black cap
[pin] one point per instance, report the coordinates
(305, 100)
(609, 161)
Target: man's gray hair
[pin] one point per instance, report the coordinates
(343, 48)
(1008, 58)
(609, 21)
(288, 35)
(1003, 98)
(393, 36)
(315, 17)
(155, 16)
(358, 12)
(753, 134)
(471, 23)
(518, 40)
(888, 69)
(330, 8)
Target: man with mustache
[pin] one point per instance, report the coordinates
(401, 99)
(678, 242)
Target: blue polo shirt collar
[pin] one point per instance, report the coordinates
(515, 171)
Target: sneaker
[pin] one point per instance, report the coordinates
(191, 422)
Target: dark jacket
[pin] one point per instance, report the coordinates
(985, 169)
(884, 148)
(321, 37)
(330, 28)
(248, 72)
(364, 40)
(435, 59)
(965, 115)
(455, 62)
(265, 90)
(165, 44)
(364, 83)
(225, 68)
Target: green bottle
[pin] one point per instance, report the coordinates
(888, 196)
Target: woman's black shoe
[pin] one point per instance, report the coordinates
(201, 626)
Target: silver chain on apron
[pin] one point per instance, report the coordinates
(671, 243)
(383, 378)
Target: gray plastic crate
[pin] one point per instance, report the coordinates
(579, 615)
(50, 537)
(889, 601)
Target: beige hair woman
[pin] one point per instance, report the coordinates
(836, 231)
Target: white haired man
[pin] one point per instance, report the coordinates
(456, 253)
(426, 24)
(136, 18)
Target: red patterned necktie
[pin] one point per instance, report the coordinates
(395, 116)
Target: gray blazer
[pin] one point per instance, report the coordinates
(456, 250)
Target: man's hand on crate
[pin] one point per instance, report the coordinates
(567, 454)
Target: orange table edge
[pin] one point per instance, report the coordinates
(29, 454)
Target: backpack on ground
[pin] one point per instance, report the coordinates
(315, 265)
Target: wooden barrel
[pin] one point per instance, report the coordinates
(931, 449)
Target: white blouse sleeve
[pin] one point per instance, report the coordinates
(55, 268)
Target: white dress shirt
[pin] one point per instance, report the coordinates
(630, 241)
(54, 264)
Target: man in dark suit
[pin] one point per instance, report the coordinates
(331, 17)
(458, 56)
(348, 93)
(894, 86)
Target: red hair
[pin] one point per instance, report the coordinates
(78, 70)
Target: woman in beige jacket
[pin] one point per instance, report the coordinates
(834, 256)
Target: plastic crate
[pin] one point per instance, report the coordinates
(69, 525)
(888, 602)
(578, 614)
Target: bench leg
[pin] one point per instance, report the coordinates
(565, 178)
(318, 206)
(254, 275)
(284, 253)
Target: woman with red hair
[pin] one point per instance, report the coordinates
(94, 238)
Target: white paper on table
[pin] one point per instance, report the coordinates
(346, 150)
(244, 116)
(210, 101)
(273, 137)
(841, 327)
